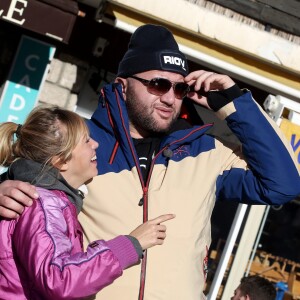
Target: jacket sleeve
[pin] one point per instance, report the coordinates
(57, 269)
(265, 172)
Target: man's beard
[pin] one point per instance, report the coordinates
(141, 117)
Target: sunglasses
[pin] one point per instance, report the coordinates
(160, 86)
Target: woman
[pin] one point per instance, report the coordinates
(41, 252)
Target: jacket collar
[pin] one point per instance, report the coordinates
(46, 177)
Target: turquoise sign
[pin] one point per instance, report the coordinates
(27, 74)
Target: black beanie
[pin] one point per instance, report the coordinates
(152, 47)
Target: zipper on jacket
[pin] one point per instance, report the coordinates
(145, 193)
(116, 145)
(144, 261)
(103, 97)
(144, 201)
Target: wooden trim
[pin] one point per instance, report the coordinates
(198, 42)
(283, 15)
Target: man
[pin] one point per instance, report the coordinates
(254, 288)
(151, 162)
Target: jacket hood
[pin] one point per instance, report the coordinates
(111, 113)
(46, 177)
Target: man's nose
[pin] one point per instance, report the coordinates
(169, 97)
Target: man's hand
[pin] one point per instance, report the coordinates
(14, 196)
(206, 81)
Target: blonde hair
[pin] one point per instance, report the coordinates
(48, 132)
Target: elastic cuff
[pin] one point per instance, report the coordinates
(137, 245)
(218, 99)
(124, 250)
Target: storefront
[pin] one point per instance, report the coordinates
(82, 54)
(248, 236)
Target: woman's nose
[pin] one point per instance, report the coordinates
(95, 144)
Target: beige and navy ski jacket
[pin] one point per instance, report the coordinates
(201, 170)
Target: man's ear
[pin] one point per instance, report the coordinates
(247, 297)
(123, 83)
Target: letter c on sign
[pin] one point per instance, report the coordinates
(28, 62)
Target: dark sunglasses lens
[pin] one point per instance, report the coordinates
(181, 89)
(159, 86)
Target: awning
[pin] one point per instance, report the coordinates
(53, 18)
(257, 71)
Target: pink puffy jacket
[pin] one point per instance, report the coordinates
(41, 255)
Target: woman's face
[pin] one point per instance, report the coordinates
(83, 164)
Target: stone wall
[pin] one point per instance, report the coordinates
(64, 81)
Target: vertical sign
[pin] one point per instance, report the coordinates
(24, 82)
(292, 132)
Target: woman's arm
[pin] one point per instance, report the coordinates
(50, 252)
